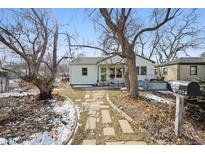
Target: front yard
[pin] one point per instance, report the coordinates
(24, 120)
(158, 119)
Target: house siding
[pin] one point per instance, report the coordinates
(114, 61)
(78, 78)
(150, 68)
(185, 72)
(171, 72)
(4, 85)
(181, 72)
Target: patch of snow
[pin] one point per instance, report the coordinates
(82, 86)
(14, 82)
(64, 126)
(141, 88)
(3, 141)
(15, 94)
(158, 99)
(165, 91)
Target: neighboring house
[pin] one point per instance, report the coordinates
(107, 70)
(184, 68)
(4, 82)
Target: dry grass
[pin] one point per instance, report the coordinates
(73, 94)
(157, 119)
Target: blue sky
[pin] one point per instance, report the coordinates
(80, 24)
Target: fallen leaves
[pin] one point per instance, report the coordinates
(158, 119)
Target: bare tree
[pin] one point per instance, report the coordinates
(177, 37)
(120, 32)
(127, 31)
(202, 54)
(31, 36)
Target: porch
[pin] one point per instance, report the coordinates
(111, 75)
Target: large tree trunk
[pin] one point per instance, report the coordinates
(131, 59)
(126, 77)
(45, 88)
(45, 94)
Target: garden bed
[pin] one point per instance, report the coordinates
(158, 119)
(23, 120)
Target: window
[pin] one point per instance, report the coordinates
(193, 70)
(119, 72)
(103, 74)
(165, 71)
(137, 69)
(156, 71)
(84, 71)
(112, 73)
(143, 70)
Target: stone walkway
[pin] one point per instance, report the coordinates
(105, 125)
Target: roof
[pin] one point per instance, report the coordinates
(2, 70)
(145, 58)
(185, 60)
(86, 60)
(95, 60)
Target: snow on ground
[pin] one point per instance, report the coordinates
(65, 125)
(158, 99)
(15, 94)
(3, 141)
(82, 86)
(165, 91)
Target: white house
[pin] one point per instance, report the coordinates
(107, 70)
(4, 83)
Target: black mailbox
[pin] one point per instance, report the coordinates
(186, 88)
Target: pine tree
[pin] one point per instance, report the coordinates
(201, 81)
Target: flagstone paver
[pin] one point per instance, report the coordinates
(106, 116)
(135, 143)
(98, 102)
(91, 123)
(87, 96)
(92, 112)
(108, 131)
(90, 100)
(127, 143)
(114, 143)
(125, 126)
(104, 106)
(103, 127)
(89, 142)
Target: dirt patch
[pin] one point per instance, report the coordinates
(158, 119)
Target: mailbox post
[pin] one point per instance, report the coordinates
(182, 89)
(179, 114)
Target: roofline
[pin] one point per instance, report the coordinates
(181, 63)
(113, 56)
(84, 64)
(146, 58)
(119, 55)
(106, 58)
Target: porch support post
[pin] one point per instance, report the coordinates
(115, 72)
